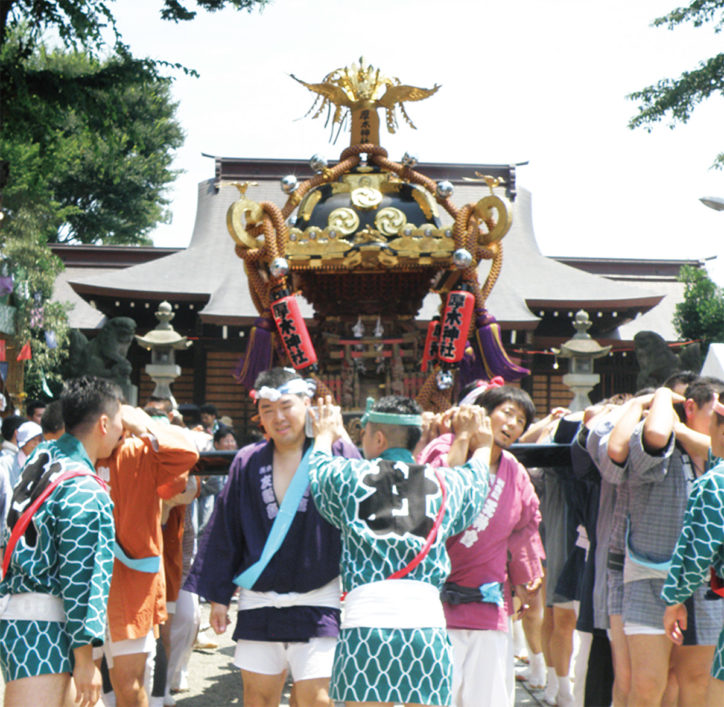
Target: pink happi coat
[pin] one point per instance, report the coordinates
(502, 545)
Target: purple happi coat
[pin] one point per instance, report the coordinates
(308, 558)
(502, 545)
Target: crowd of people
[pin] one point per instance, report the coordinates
(411, 569)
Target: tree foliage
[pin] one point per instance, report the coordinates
(81, 23)
(38, 321)
(674, 99)
(90, 143)
(87, 133)
(700, 316)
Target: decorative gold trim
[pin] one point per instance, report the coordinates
(425, 202)
(390, 220)
(497, 227)
(344, 220)
(244, 213)
(308, 204)
(414, 246)
(366, 198)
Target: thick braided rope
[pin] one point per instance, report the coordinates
(462, 228)
(328, 175)
(257, 287)
(322, 390)
(280, 228)
(495, 269)
(431, 397)
(410, 175)
(424, 395)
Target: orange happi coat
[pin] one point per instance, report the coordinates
(143, 471)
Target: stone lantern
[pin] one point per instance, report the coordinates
(162, 342)
(582, 350)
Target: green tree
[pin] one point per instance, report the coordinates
(38, 321)
(81, 23)
(86, 139)
(674, 99)
(91, 157)
(700, 316)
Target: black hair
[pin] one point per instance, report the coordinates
(702, 389)
(493, 397)
(223, 431)
(720, 398)
(85, 399)
(163, 405)
(191, 414)
(32, 405)
(10, 425)
(468, 389)
(52, 419)
(209, 409)
(400, 405)
(680, 377)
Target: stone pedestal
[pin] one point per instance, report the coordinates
(581, 384)
(163, 375)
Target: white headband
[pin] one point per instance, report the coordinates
(296, 386)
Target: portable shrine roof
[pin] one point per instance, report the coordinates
(209, 272)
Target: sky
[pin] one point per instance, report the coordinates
(537, 81)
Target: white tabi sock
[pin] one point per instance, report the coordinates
(565, 692)
(549, 696)
(537, 667)
(520, 647)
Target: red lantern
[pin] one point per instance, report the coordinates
(293, 331)
(455, 326)
(429, 353)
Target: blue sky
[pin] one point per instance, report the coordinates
(542, 81)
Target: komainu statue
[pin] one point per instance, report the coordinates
(105, 355)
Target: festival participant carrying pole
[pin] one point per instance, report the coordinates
(393, 644)
(267, 537)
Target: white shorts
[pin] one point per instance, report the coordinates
(642, 630)
(482, 668)
(130, 646)
(306, 660)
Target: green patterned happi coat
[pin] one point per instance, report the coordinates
(700, 546)
(384, 510)
(67, 552)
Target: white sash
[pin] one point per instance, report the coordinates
(394, 603)
(328, 595)
(32, 606)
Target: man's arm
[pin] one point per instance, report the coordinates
(695, 443)
(171, 452)
(629, 416)
(543, 426)
(465, 421)
(471, 481)
(84, 536)
(326, 423)
(86, 677)
(659, 423)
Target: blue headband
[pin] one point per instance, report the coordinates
(388, 418)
